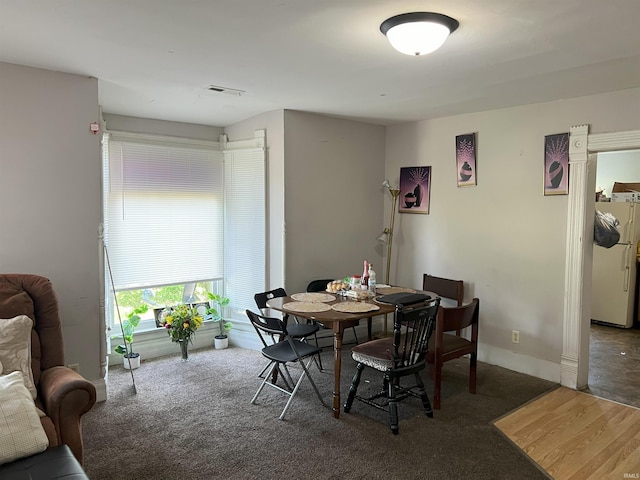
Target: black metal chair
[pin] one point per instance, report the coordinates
(397, 357)
(296, 330)
(280, 354)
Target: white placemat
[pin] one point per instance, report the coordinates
(354, 307)
(306, 307)
(313, 297)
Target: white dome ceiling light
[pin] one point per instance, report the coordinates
(418, 33)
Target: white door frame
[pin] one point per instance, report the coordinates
(583, 149)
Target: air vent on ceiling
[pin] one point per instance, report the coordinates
(229, 91)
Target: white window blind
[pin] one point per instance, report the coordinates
(245, 228)
(164, 213)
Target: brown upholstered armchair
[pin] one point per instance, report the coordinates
(62, 394)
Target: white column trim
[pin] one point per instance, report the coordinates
(574, 262)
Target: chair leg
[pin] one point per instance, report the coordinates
(264, 382)
(305, 372)
(472, 372)
(423, 396)
(393, 406)
(318, 357)
(286, 376)
(354, 387)
(437, 385)
(266, 367)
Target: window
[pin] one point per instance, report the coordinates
(181, 217)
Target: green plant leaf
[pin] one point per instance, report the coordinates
(120, 349)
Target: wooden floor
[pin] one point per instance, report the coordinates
(575, 435)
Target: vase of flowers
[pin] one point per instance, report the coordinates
(181, 322)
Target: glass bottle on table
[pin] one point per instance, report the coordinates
(372, 280)
(365, 276)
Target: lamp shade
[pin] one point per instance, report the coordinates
(418, 33)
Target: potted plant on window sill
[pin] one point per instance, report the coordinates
(218, 302)
(131, 359)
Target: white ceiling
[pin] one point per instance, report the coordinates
(156, 58)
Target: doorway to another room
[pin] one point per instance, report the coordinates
(614, 347)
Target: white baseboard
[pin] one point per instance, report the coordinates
(519, 363)
(101, 389)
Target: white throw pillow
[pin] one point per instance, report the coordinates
(15, 348)
(21, 433)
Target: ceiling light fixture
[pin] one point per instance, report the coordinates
(418, 33)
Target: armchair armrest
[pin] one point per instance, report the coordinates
(66, 396)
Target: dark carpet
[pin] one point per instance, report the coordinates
(193, 420)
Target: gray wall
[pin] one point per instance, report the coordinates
(504, 238)
(50, 196)
(334, 197)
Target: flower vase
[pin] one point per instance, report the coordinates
(184, 349)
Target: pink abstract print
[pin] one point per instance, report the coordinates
(556, 164)
(415, 186)
(466, 159)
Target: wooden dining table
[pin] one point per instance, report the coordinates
(336, 320)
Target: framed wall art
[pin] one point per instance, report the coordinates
(556, 164)
(466, 159)
(415, 187)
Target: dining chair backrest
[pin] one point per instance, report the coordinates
(444, 287)
(412, 328)
(269, 325)
(458, 318)
(318, 285)
(262, 298)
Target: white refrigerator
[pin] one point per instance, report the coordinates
(613, 284)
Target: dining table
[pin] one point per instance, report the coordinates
(334, 310)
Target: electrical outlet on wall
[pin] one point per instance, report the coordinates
(515, 336)
(74, 366)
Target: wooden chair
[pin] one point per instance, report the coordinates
(398, 357)
(445, 346)
(444, 287)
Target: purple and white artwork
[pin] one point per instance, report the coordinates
(415, 187)
(556, 164)
(466, 160)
